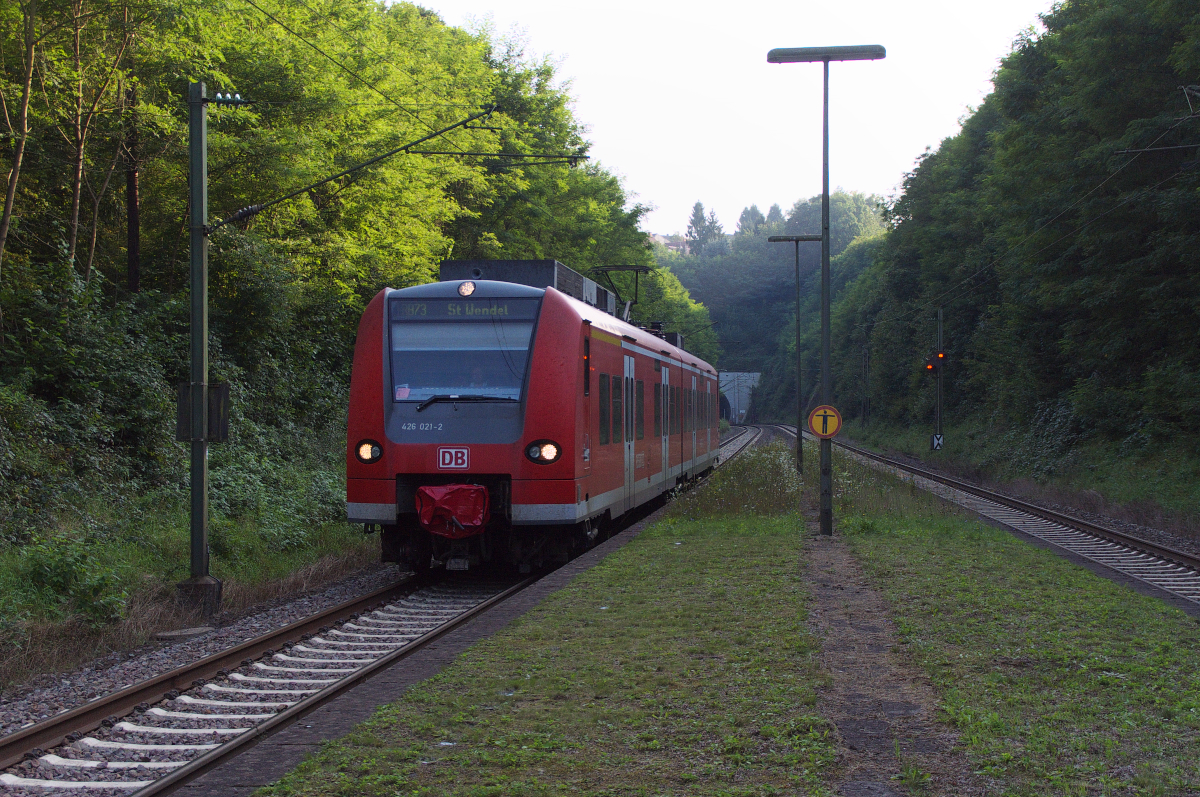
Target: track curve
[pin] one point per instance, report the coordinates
(1162, 567)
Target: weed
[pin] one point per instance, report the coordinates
(665, 669)
(1057, 680)
(911, 775)
(63, 572)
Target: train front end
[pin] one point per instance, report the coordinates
(449, 415)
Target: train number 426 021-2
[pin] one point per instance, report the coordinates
(421, 427)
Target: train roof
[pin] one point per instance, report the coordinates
(626, 331)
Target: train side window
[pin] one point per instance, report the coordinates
(587, 366)
(617, 414)
(683, 414)
(603, 409)
(675, 416)
(640, 411)
(657, 409)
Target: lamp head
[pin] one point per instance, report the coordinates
(857, 52)
(776, 239)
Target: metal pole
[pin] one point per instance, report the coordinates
(799, 394)
(941, 365)
(201, 591)
(826, 445)
(866, 395)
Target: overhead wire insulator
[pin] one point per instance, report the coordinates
(229, 99)
(245, 213)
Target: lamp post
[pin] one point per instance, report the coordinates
(791, 55)
(796, 239)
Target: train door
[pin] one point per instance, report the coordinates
(629, 433)
(692, 416)
(666, 422)
(708, 413)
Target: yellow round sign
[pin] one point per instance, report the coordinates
(824, 421)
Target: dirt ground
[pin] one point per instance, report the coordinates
(885, 710)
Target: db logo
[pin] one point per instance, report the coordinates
(454, 458)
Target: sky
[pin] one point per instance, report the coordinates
(679, 101)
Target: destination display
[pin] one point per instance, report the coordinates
(464, 309)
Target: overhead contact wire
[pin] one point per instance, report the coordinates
(255, 209)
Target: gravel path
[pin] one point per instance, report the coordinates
(46, 696)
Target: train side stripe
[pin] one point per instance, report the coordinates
(604, 336)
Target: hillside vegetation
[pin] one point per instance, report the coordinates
(748, 285)
(1059, 230)
(94, 261)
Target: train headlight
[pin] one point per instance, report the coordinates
(543, 452)
(466, 289)
(368, 451)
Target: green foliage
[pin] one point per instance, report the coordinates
(761, 481)
(64, 573)
(92, 341)
(705, 235)
(750, 290)
(1065, 270)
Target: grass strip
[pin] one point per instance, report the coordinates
(1060, 682)
(679, 665)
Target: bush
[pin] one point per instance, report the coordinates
(761, 481)
(66, 576)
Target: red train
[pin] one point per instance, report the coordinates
(497, 422)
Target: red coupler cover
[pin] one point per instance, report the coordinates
(453, 510)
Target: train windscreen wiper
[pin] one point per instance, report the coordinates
(466, 399)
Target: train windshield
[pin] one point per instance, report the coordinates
(468, 347)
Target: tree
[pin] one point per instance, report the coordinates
(697, 230)
(750, 220)
(20, 132)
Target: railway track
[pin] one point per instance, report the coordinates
(740, 441)
(155, 736)
(187, 732)
(1173, 571)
